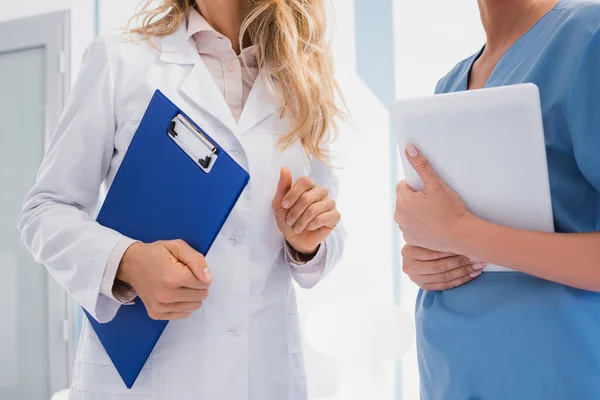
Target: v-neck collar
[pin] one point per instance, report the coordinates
(514, 54)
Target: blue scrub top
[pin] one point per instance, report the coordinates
(510, 336)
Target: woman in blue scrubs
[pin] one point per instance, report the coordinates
(532, 334)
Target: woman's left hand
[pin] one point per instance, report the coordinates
(304, 213)
(434, 217)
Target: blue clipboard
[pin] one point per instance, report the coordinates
(175, 182)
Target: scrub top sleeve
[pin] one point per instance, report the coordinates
(439, 86)
(583, 112)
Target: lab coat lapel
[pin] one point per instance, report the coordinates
(262, 102)
(199, 86)
(203, 91)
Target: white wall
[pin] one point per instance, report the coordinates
(17, 9)
(432, 36)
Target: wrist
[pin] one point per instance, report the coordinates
(302, 254)
(125, 271)
(465, 232)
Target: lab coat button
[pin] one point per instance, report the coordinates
(235, 332)
(231, 67)
(235, 239)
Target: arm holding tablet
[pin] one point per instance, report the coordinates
(436, 218)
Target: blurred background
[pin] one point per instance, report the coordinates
(358, 324)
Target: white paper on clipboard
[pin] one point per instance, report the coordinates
(488, 145)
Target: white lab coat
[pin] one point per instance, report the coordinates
(244, 343)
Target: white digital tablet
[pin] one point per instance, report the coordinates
(488, 145)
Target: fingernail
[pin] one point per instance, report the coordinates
(475, 274)
(289, 222)
(479, 266)
(297, 230)
(207, 274)
(411, 150)
(285, 204)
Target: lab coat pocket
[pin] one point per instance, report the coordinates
(95, 373)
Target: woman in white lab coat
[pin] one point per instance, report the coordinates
(268, 100)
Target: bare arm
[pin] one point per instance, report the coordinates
(437, 218)
(569, 258)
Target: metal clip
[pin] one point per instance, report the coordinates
(193, 142)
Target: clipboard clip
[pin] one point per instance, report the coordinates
(193, 142)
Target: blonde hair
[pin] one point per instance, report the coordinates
(289, 36)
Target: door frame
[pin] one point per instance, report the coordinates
(52, 32)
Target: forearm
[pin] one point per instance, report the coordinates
(570, 259)
(74, 248)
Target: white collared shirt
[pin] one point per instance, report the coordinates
(233, 74)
